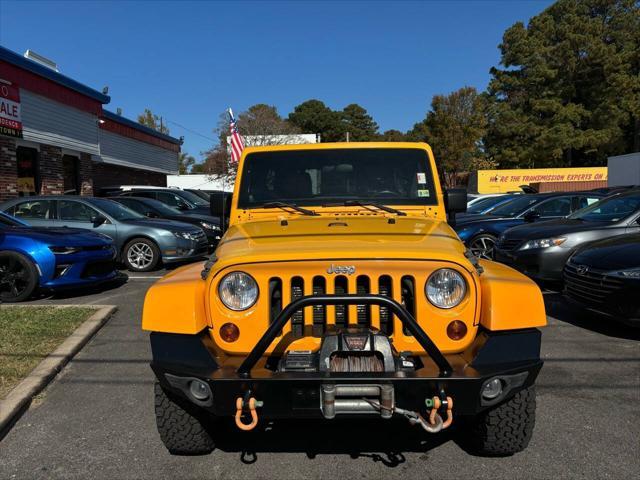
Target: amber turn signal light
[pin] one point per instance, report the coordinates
(456, 330)
(229, 332)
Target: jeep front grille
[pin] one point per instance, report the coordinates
(283, 290)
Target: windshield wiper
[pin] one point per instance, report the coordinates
(291, 206)
(384, 208)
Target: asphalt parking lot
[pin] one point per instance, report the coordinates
(96, 419)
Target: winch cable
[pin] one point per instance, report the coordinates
(435, 422)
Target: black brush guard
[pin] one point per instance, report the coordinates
(285, 316)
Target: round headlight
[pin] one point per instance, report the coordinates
(445, 288)
(238, 291)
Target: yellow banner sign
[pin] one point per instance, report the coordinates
(503, 181)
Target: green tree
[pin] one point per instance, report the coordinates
(393, 136)
(569, 90)
(186, 163)
(313, 116)
(454, 128)
(358, 123)
(149, 119)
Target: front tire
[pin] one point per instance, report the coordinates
(506, 429)
(181, 425)
(18, 277)
(483, 245)
(141, 255)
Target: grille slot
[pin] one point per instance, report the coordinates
(275, 299)
(342, 312)
(363, 286)
(386, 317)
(408, 295)
(297, 319)
(319, 311)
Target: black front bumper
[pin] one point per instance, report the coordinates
(512, 356)
(543, 264)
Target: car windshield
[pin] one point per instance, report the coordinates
(161, 208)
(515, 207)
(397, 176)
(486, 203)
(610, 209)
(193, 198)
(115, 209)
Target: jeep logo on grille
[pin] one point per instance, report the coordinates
(341, 269)
(582, 269)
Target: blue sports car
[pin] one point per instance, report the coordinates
(50, 259)
(480, 232)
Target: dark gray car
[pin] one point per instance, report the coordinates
(141, 242)
(541, 249)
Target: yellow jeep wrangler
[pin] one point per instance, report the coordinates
(339, 290)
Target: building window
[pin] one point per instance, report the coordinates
(28, 171)
(71, 169)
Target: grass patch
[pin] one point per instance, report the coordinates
(29, 334)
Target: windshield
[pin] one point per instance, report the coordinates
(481, 205)
(161, 208)
(193, 198)
(7, 221)
(116, 210)
(515, 207)
(610, 209)
(397, 176)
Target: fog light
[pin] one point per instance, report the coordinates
(229, 332)
(456, 330)
(492, 389)
(199, 390)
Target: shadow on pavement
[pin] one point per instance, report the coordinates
(78, 292)
(558, 308)
(383, 441)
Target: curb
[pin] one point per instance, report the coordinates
(19, 399)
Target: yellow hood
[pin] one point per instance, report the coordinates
(336, 237)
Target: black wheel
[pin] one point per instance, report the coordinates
(181, 425)
(507, 428)
(482, 245)
(18, 277)
(141, 255)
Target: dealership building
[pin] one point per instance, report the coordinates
(57, 137)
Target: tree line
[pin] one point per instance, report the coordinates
(566, 94)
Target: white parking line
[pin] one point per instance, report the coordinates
(144, 278)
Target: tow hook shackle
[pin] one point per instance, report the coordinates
(435, 404)
(251, 404)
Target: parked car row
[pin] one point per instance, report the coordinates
(584, 243)
(57, 242)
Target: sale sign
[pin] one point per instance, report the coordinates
(10, 115)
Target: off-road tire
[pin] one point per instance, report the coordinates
(180, 425)
(507, 428)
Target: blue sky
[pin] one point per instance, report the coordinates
(188, 61)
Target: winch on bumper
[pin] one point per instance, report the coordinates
(355, 372)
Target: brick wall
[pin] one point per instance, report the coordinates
(86, 174)
(106, 175)
(51, 171)
(8, 169)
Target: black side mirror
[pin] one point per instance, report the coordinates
(98, 220)
(183, 206)
(455, 201)
(531, 216)
(220, 206)
(151, 214)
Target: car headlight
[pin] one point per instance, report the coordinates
(543, 243)
(238, 291)
(65, 250)
(445, 288)
(209, 226)
(630, 273)
(185, 235)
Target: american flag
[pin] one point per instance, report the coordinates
(237, 145)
